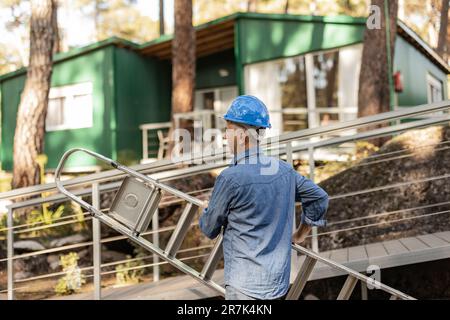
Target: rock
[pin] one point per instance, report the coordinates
(53, 261)
(111, 256)
(76, 238)
(28, 245)
(83, 253)
(31, 265)
(414, 155)
(22, 275)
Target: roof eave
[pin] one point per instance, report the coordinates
(426, 49)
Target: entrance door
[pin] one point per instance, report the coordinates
(215, 100)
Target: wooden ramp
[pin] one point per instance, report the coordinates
(387, 254)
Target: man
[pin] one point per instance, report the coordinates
(254, 201)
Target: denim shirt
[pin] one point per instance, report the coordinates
(254, 201)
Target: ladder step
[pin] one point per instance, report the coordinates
(348, 288)
(301, 279)
(213, 259)
(181, 229)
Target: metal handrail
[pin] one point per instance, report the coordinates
(350, 272)
(164, 165)
(222, 153)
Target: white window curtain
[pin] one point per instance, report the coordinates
(349, 69)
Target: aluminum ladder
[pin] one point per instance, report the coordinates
(134, 206)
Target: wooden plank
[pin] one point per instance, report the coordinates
(339, 255)
(357, 253)
(433, 241)
(413, 244)
(443, 235)
(375, 250)
(394, 247)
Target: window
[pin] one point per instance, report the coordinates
(326, 86)
(435, 89)
(217, 101)
(70, 107)
(307, 91)
(294, 104)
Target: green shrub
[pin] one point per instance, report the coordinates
(49, 215)
(74, 279)
(126, 274)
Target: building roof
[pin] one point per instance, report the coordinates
(218, 35)
(414, 39)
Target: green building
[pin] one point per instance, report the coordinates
(305, 68)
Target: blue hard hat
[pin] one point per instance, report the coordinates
(248, 110)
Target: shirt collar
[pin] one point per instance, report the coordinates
(246, 154)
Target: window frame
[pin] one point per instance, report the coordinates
(69, 93)
(433, 81)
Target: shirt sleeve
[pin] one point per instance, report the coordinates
(314, 201)
(215, 216)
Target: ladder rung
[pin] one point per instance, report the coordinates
(348, 288)
(181, 229)
(301, 279)
(213, 259)
(153, 204)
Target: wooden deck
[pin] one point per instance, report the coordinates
(388, 254)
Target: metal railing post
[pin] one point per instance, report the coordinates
(144, 143)
(155, 236)
(10, 253)
(96, 243)
(312, 166)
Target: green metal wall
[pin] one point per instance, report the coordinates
(414, 67)
(95, 66)
(207, 71)
(262, 39)
(266, 39)
(143, 89)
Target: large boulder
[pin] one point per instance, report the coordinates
(411, 156)
(75, 238)
(28, 245)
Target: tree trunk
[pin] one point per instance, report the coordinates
(251, 5)
(442, 41)
(374, 91)
(57, 44)
(183, 61)
(30, 127)
(161, 17)
(183, 58)
(286, 7)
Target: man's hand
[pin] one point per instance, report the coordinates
(300, 235)
(205, 204)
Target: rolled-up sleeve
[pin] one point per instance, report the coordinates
(215, 216)
(314, 201)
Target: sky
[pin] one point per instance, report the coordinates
(80, 29)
